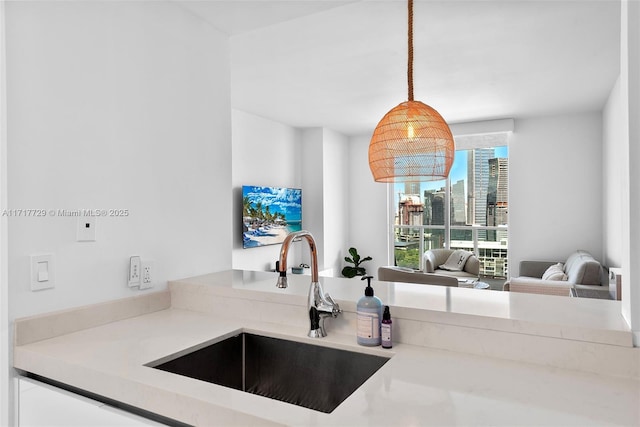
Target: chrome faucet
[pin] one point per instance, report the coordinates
(320, 305)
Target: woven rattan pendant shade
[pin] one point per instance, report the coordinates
(412, 142)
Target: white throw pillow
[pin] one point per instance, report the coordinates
(555, 272)
(456, 260)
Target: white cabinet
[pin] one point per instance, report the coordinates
(44, 405)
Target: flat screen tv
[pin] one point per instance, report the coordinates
(269, 214)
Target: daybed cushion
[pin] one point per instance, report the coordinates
(555, 272)
(456, 260)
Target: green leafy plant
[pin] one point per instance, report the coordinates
(355, 259)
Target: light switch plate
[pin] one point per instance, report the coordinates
(42, 272)
(135, 266)
(86, 229)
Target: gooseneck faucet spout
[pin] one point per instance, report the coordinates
(320, 305)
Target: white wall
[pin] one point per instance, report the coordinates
(312, 174)
(555, 188)
(115, 105)
(264, 153)
(324, 169)
(8, 400)
(269, 153)
(614, 179)
(629, 71)
(336, 167)
(369, 222)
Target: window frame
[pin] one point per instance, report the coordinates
(498, 131)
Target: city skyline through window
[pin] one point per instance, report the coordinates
(467, 211)
(458, 173)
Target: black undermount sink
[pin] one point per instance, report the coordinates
(311, 376)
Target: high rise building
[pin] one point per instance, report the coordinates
(498, 196)
(428, 207)
(412, 188)
(434, 207)
(434, 204)
(458, 210)
(410, 210)
(478, 182)
(498, 192)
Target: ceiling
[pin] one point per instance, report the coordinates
(342, 64)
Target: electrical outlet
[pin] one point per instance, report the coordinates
(147, 276)
(135, 267)
(86, 229)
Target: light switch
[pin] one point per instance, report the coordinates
(42, 272)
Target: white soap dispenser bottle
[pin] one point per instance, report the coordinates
(369, 316)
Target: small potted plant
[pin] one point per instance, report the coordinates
(355, 259)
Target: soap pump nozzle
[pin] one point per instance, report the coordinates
(368, 291)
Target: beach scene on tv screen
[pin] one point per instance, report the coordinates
(269, 214)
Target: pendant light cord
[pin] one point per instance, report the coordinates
(412, 142)
(410, 57)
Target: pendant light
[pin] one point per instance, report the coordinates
(412, 142)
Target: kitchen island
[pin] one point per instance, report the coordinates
(460, 356)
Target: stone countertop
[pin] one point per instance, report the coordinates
(418, 386)
(541, 315)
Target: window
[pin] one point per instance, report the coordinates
(467, 211)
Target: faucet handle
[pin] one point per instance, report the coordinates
(335, 310)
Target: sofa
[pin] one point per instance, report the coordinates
(580, 270)
(435, 261)
(408, 275)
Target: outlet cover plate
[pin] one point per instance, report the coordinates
(86, 229)
(147, 275)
